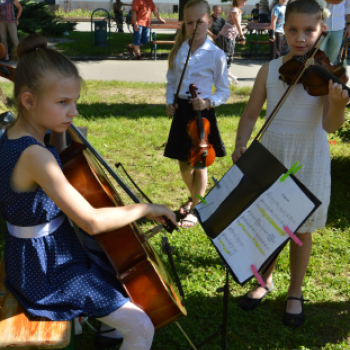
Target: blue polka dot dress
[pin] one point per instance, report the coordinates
(51, 276)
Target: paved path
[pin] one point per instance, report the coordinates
(155, 71)
(149, 70)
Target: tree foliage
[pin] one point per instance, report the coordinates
(38, 18)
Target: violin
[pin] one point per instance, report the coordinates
(315, 83)
(201, 153)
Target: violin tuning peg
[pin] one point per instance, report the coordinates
(187, 92)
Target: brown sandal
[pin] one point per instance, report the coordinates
(189, 222)
(185, 208)
(130, 48)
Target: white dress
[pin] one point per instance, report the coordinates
(296, 134)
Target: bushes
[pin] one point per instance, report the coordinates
(38, 18)
(344, 131)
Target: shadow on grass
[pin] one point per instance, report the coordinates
(261, 329)
(338, 216)
(94, 111)
(326, 323)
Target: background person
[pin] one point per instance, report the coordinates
(276, 32)
(118, 9)
(264, 11)
(9, 21)
(141, 20)
(217, 23)
(338, 20)
(254, 15)
(232, 30)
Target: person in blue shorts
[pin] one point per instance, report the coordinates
(141, 20)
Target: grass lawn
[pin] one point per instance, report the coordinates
(127, 123)
(81, 44)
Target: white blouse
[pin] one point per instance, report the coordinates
(206, 66)
(336, 21)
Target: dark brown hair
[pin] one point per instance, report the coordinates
(310, 7)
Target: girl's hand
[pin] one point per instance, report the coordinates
(237, 153)
(338, 97)
(170, 109)
(199, 104)
(218, 34)
(241, 40)
(157, 213)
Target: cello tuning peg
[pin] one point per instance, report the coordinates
(187, 92)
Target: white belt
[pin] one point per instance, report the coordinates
(36, 231)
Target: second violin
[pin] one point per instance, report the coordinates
(201, 153)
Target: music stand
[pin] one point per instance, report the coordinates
(223, 327)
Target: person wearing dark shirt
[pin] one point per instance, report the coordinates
(264, 11)
(255, 13)
(217, 24)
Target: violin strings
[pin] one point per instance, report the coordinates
(289, 90)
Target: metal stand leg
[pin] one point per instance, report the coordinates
(223, 327)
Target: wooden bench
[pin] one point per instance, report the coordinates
(159, 25)
(258, 28)
(18, 330)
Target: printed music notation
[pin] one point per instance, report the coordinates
(219, 193)
(255, 234)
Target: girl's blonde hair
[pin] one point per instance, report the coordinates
(235, 4)
(182, 35)
(36, 63)
(310, 7)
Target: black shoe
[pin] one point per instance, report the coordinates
(106, 342)
(250, 303)
(294, 320)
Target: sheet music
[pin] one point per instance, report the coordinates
(219, 193)
(258, 231)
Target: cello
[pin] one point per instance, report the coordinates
(135, 262)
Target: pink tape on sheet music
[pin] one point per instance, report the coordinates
(293, 236)
(257, 275)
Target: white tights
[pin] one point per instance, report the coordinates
(134, 324)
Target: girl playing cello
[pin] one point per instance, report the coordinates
(47, 269)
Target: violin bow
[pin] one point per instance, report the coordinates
(185, 66)
(306, 64)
